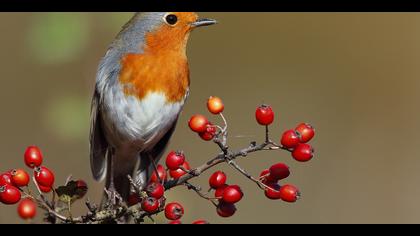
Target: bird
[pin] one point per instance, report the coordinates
(142, 83)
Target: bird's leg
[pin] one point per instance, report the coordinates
(152, 160)
(112, 195)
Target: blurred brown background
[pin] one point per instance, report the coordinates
(355, 77)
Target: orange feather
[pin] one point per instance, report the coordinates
(163, 65)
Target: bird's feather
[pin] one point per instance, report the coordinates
(146, 168)
(98, 143)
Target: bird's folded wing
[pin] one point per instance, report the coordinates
(98, 143)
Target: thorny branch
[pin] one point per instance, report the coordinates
(114, 213)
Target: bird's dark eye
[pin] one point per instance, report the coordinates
(171, 19)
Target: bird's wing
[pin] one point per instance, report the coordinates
(98, 143)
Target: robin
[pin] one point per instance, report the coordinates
(141, 85)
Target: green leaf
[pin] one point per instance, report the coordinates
(71, 192)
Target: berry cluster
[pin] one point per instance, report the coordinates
(176, 171)
(152, 199)
(296, 141)
(226, 196)
(15, 183)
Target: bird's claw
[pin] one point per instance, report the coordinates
(113, 197)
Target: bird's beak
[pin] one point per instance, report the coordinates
(203, 22)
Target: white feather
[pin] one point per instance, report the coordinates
(136, 122)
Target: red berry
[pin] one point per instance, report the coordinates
(81, 184)
(33, 156)
(155, 190)
(176, 174)
(175, 222)
(6, 179)
(290, 139)
(306, 131)
(264, 115)
(9, 194)
(236, 187)
(279, 171)
(198, 123)
(133, 199)
(20, 178)
(215, 105)
(200, 222)
(289, 193)
(232, 194)
(174, 211)
(206, 136)
(27, 209)
(273, 192)
(174, 160)
(45, 189)
(161, 172)
(225, 209)
(219, 191)
(217, 179)
(44, 176)
(303, 152)
(150, 205)
(209, 133)
(82, 188)
(266, 178)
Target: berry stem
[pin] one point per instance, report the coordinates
(156, 169)
(224, 130)
(69, 210)
(224, 121)
(197, 189)
(247, 175)
(267, 134)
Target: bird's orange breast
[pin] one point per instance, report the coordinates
(162, 67)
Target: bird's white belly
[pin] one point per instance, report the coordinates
(139, 123)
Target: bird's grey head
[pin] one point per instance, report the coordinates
(171, 25)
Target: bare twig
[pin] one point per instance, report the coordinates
(245, 173)
(200, 194)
